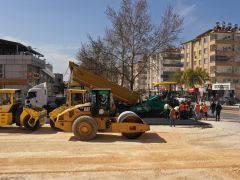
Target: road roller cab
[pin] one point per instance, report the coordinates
(74, 97)
(12, 111)
(86, 119)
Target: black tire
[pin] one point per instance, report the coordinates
(52, 124)
(85, 128)
(131, 120)
(28, 126)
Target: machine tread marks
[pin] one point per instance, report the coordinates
(27, 126)
(131, 117)
(85, 128)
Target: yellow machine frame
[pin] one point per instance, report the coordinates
(30, 118)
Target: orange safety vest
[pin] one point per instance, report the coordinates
(197, 107)
(182, 107)
(205, 108)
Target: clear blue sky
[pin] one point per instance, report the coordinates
(56, 28)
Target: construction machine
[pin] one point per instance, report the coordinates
(85, 120)
(124, 98)
(74, 97)
(12, 111)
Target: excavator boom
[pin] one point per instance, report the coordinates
(86, 78)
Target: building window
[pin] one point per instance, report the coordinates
(205, 60)
(237, 69)
(199, 52)
(205, 40)
(1, 71)
(187, 55)
(205, 50)
(200, 62)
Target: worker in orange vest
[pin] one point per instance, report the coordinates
(181, 110)
(197, 110)
(205, 111)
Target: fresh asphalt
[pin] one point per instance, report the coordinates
(230, 116)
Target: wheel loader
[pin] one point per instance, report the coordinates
(12, 111)
(85, 120)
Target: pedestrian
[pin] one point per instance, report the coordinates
(172, 116)
(205, 111)
(197, 110)
(218, 111)
(213, 107)
(167, 110)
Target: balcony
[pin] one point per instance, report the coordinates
(172, 56)
(216, 58)
(171, 69)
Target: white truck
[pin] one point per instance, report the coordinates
(37, 96)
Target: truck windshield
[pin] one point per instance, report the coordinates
(5, 99)
(31, 95)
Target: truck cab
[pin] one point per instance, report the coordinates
(37, 96)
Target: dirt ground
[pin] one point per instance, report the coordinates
(183, 152)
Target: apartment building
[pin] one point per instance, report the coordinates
(217, 51)
(159, 67)
(21, 67)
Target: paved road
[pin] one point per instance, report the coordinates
(233, 116)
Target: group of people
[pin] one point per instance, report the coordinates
(184, 110)
(202, 110)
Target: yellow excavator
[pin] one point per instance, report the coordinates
(12, 111)
(97, 113)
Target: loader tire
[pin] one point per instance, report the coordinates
(85, 128)
(130, 117)
(27, 123)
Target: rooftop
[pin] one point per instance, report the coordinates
(11, 48)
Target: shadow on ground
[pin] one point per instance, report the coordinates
(15, 129)
(109, 138)
(187, 122)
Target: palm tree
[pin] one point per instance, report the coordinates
(191, 77)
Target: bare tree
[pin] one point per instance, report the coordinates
(133, 37)
(94, 57)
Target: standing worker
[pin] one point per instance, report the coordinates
(167, 110)
(197, 110)
(213, 107)
(181, 110)
(218, 111)
(172, 116)
(205, 111)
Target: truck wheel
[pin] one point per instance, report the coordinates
(52, 124)
(85, 128)
(28, 123)
(130, 117)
